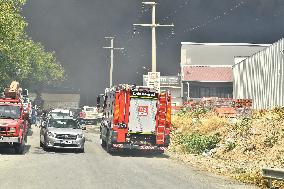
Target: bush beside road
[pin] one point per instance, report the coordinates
(238, 148)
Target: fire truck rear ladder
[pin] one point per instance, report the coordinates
(161, 119)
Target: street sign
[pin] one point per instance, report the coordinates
(165, 81)
(154, 80)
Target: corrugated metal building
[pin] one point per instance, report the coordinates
(206, 68)
(261, 77)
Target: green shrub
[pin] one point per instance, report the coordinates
(199, 111)
(243, 126)
(197, 143)
(230, 145)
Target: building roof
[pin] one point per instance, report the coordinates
(216, 53)
(226, 44)
(207, 74)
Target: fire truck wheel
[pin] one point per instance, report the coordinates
(103, 143)
(20, 148)
(108, 145)
(26, 137)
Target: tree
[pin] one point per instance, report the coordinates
(20, 57)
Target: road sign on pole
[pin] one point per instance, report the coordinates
(154, 80)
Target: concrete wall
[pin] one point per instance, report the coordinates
(261, 77)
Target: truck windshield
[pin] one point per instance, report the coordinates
(10, 112)
(63, 123)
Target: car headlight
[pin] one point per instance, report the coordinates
(50, 134)
(80, 135)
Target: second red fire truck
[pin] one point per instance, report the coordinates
(13, 119)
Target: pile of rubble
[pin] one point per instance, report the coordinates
(246, 144)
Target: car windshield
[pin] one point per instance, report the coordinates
(63, 123)
(10, 112)
(90, 109)
(59, 114)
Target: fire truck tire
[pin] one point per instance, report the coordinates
(26, 137)
(159, 152)
(103, 143)
(108, 145)
(20, 148)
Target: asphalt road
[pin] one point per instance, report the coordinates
(95, 168)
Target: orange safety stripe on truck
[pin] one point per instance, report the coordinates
(121, 106)
(161, 119)
(121, 134)
(168, 114)
(116, 109)
(127, 104)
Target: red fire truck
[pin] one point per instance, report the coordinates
(13, 121)
(135, 118)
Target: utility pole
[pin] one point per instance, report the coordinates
(154, 25)
(111, 57)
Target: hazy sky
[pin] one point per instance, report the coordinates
(75, 30)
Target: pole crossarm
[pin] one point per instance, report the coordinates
(109, 37)
(153, 26)
(149, 3)
(170, 25)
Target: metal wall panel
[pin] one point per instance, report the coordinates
(261, 77)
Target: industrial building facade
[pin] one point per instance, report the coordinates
(206, 68)
(171, 83)
(261, 77)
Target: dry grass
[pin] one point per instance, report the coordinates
(245, 146)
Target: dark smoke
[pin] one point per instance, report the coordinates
(75, 30)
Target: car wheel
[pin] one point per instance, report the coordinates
(45, 148)
(82, 150)
(40, 144)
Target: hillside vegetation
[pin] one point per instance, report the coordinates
(238, 147)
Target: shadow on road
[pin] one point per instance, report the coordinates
(39, 150)
(9, 150)
(139, 153)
